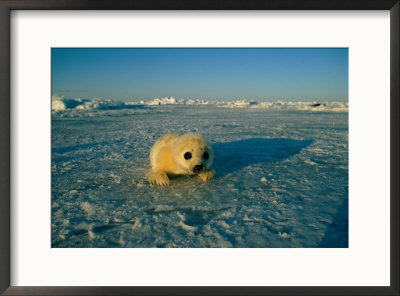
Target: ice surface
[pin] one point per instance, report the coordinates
(282, 175)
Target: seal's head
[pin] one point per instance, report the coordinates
(193, 153)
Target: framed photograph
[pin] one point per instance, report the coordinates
(203, 168)
(201, 148)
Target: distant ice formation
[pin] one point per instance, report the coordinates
(60, 103)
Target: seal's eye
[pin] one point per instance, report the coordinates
(205, 155)
(187, 155)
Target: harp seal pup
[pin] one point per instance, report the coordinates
(180, 154)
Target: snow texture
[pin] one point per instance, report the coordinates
(282, 175)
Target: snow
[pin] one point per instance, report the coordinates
(282, 175)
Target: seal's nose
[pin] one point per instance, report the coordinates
(198, 168)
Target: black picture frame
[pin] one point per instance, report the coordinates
(7, 6)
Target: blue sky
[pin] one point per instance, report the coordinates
(267, 74)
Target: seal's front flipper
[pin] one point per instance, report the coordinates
(207, 176)
(158, 178)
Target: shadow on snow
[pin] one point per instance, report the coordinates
(233, 156)
(337, 234)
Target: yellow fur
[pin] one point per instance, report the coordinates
(167, 157)
(165, 160)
